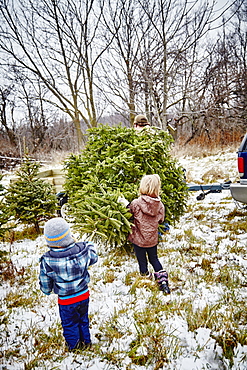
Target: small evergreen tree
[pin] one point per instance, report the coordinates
(4, 212)
(113, 163)
(30, 199)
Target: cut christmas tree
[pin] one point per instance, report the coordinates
(112, 165)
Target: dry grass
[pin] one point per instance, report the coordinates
(202, 146)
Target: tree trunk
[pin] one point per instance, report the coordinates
(80, 136)
(131, 103)
(165, 89)
(37, 228)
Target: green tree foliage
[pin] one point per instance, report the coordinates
(113, 163)
(30, 199)
(4, 212)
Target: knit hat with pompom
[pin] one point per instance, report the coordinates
(57, 233)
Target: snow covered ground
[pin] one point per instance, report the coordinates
(133, 325)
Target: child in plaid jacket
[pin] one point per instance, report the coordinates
(64, 271)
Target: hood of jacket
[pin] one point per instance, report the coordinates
(149, 206)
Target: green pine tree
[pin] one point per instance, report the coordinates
(4, 212)
(113, 163)
(30, 199)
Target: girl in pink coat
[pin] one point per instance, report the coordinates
(148, 212)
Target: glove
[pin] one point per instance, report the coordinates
(123, 201)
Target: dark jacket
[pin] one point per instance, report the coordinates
(148, 212)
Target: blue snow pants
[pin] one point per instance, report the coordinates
(75, 323)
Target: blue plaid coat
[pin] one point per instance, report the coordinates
(65, 270)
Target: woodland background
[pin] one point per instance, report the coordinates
(69, 65)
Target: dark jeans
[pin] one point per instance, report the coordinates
(75, 323)
(141, 255)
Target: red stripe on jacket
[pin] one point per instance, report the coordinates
(79, 298)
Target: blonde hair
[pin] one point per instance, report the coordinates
(150, 185)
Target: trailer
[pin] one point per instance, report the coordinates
(238, 190)
(209, 188)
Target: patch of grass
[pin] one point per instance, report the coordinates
(191, 238)
(27, 232)
(179, 237)
(240, 314)
(111, 328)
(174, 276)
(192, 249)
(165, 250)
(10, 273)
(223, 319)
(20, 299)
(50, 341)
(228, 277)
(9, 353)
(218, 239)
(142, 282)
(200, 318)
(196, 207)
(48, 345)
(3, 256)
(4, 318)
(109, 276)
(190, 208)
(31, 364)
(237, 249)
(213, 207)
(199, 216)
(206, 265)
(228, 343)
(116, 257)
(237, 227)
(154, 345)
(236, 213)
(113, 356)
(130, 277)
(213, 175)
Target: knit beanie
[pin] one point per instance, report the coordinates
(57, 233)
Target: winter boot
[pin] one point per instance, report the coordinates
(162, 279)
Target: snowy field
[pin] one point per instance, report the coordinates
(202, 324)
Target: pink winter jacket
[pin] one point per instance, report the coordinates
(148, 212)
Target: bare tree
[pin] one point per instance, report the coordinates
(7, 106)
(135, 55)
(177, 31)
(238, 43)
(221, 94)
(155, 53)
(58, 43)
(121, 20)
(36, 117)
